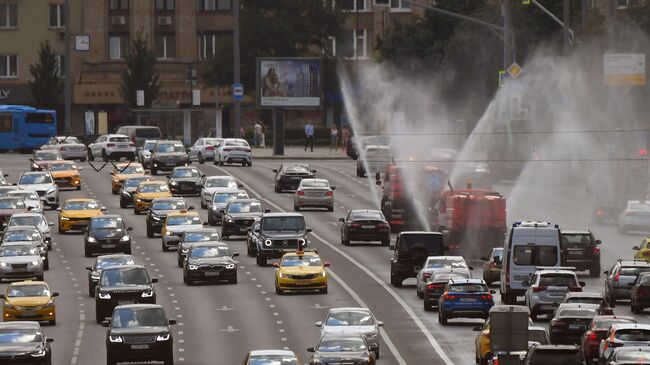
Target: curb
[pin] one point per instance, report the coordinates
(302, 158)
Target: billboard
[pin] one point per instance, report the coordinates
(289, 83)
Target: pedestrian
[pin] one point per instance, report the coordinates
(263, 138)
(242, 134)
(334, 137)
(345, 138)
(257, 134)
(309, 135)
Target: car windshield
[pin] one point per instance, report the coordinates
(314, 184)
(296, 169)
(577, 312)
(220, 182)
(370, 215)
(633, 357)
(227, 197)
(586, 300)
(35, 179)
(538, 336)
(149, 146)
(535, 255)
(46, 156)
(289, 261)
(244, 207)
(209, 251)
(138, 317)
(633, 271)
(169, 205)
(183, 220)
(342, 345)
(433, 242)
(237, 144)
(147, 133)
(439, 263)
(570, 357)
(169, 148)
(642, 206)
(125, 276)
(106, 222)
(119, 139)
(606, 324)
(632, 334)
(12, 203)
(68, 140)
(185, 173)
(80, 205)
(25, 194)
(446, 276)
(467, 288)
(153, 188)
(65, 166)
(201, 236)
(133, 183)
(131, 169)
(279, 224)
(18, 250)
(272, 360)
(34, 290)
(32, 220)
(19, 335)
(558, 280)
(16, 235)
(350, 318)
(114, 261)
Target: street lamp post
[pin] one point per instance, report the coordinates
(235, 23)
(67, 97)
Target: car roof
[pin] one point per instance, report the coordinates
(202, 230)
(634, 263)
(314, 179)
(466, 281)
(131, 266)
(18, 243)
(107, 216)
(287, 214)
(168, 141)
(20, 324)
(459, 258)
(114, 256)
(585, 294)
(220, 177)
(81, 200)
(578, 306)
(613, 316)
(304, 253)
(191, 213)
(250, 200)
(329, 335)
(349, 309)
(117, 135)
(29, 282)
(140, 306)
(18, 215)
(9, 228)
(35, 173)
(61, 162)
(556, 347)
(210, 244)
(576, 232)
(556, 271)
(620, 326)
(420, 232)
(272, 352)
(154, 182)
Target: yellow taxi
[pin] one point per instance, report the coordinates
(124, 171)
(148, 191)
(301, 271)
(643, 250)
(66, 174)
(76, 213)
(176, 224)
(29, 300)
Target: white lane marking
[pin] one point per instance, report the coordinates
(436, 346)
(230, 329)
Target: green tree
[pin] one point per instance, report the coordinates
(140, 73)
(640, 15)
(47, 85)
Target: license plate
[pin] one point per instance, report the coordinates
(243, 230)
(126, 302)
(20, 269)
(29, 314)
(170, 164)
(368, 226)
(122, 146)
(139, 347)
(185, 187)
(109, 246)
(211, 273)
(575, 253)
(468, 300)
(576, 327)
(302, 282)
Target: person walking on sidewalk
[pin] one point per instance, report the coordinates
(334, 136)
(309, 135)
(345, 139)
(257, 134)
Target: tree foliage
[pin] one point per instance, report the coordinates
(140, 73)
(47, 84)
(640, 15)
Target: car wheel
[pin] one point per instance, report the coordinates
(87, 252)
(90, 155)
(296, 208)
(132, 158)
(110, 360)
(225, 236)
(203, 205)
(162, 244)
(40, 277)
(345, 242)
(123, 204)
(377, 354)
(533, 315)
(427, 305)
(169, 360)
(396, 281)
(612, 301)
(104, 156)
(149, 232)
(261, 260)
(330, 209)
(128, 250)
(135, 211)
(385, 242)
(46, 265)
(233, 281)
(250, 163)
(323, 291)
(52, 322)
(99, 315)
(91, 291)
(278, 291)
(277, 189)
(186, 280)
(154, 171)
(200, 158)
(78, 187)
(442, 318)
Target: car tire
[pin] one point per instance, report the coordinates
(249, 252)
(91, 291)
(200, 158)
(99, 315)
(225, 236)
(40, 277)
(187, 280)
(533, 315)
(277, 189)
(612, 301)
(203, 205)
(105, 157)
(278, 291)
(249, 164)
(377, 354)
(123, 204)
(330, 209)
(150, 232)
(128, 251)
(442, 317)
(396, 281)
(428, 305)
(169, 360)
(132, 158)
(385, 242)
(164, 248)
(345, 242)
(46, 264)
(154, 171)
(90, 155)
(233, 281)
(110, 360)
(323, 291)
(296, 208)
(52, 322)
(261, 260)
(78, 188)
(87, 252)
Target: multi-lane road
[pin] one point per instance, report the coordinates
(218, 324)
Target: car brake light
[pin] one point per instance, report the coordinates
(62, 148)
(131, 144)
(329, 193)
(628, 214)
(592, 338)
(209, 148)
(557, 322)
(426, 275)
(227, 149)
(448, 296)
(435, 286)
(381, 225)
(538, 288)
(300, 193)
(596, 250)
(110, 145)
(133, 139)
(600, 213)
(355, 225)
(616, 277)
(493, 265)
(486, 297)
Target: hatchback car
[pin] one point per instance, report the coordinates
(365, 225)
(624, 334)
(24, 342)
(346, 321)
(468, 298)
(438, 263)
(546, 288)
(620, 278)
(571, 321)
(314, 193)
(30, 301)
(101, 262)
(597, 331)
(635, 217)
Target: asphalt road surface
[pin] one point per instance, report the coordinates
(219, 323)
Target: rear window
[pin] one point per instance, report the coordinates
(634, 357)
(632, 334)
(152, 133)
(467, 288)
(633, 271)
(535, 255)
(558, 280)
(574, 240)
(119, 139)
(598, 301)
(374, 215)
(39, 118)
(639, 206)
(606, 324)
(237, 143)
(565, 357)
(538, 336)
(432, 242)
(578, 312)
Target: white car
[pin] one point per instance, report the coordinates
(547, 287)
(636, 216)
(144, 152)
(374, 158)
(204, 149)
(352, 321)
(69, 147)
(214, 184)
(33, 219)
(113, 147)
(436, 263)
(43, 184)
(31, 199)
(314, 193)
(233, 150)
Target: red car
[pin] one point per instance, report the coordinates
(597, 332)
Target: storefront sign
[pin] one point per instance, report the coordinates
(15, 94)
(4, 94)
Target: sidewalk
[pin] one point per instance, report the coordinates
(299, 153)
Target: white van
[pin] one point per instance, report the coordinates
(529, 245)
(376, 159)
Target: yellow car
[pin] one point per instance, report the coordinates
(643, 250)
(29, 300)
(482, 345)
(301, 271)
(76, 213)
(123, 171)
(148, 191)
(176, 224)
(66, 174)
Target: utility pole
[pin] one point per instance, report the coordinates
(506, 9)
(566, 27)
(584, 11)
(235, 23)
(67, 97)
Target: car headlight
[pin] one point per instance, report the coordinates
(192, 267)
(104, 296)
(322, 274)
(174, 183)
(40, 352)
(125, 238)
(138, 200)
(51, 191)
(302, 242)
(281, 274)
(8, 306)
(155, 217)
(35, 166)
(268, 242)
(92, 239)
(50, 304)
(229, 219)
(125, 193)
(65, 219)
(169, 233)
(371, 335)
(230, 266)
(94, 276)
(164, 337)
(147, 294)
(215, 207)
(3, 264)
(185, 250)
(34, 263)
(115, 338)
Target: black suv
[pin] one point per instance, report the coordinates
(158, 211)
(139, 332)
(23, 342)
(581, 250)
(185, 180)
(238, 217)
(100, 263)
(278, 234)
(107, 234)
(122, 285)
(411, 251)
(166, 155)
(289, 175)
(210, 261)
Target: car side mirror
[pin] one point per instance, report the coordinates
(222, 211)
(89, 268)
(492, 291)
(635, 248)
(50, 224)
(275, 170)
(497, 259)
(154, 280)
(342, 220)
(5, 175)
(80, 168)
(606, 272)
(106, 323)
(525, 283)
(58, 209)
(203, 176)
(191, 207)
(267, 210)
(309, 230)
(391, 247)
(235, 254)
(326, 264)
(239, 186)
(256, 230)
(380, 323)
(49, 339)
(470, 268)
(319, 324)
(598, 242)
(275, 264)
(311, 349)
(55, 294)
(102, 208)
(373, 347)
(313, 171)
(582, 283)
(2, 296)
(129, 229)
(378, 182)
(206, 224)
(477, 329)
(172, 322)
(332, 187)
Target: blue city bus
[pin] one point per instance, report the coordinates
(24, 128)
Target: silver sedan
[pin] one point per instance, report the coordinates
(635, 217)
(20, 261)
(314, 193)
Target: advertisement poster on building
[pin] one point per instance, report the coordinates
(89, 122)
(289, 82)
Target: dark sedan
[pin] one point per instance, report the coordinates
(589, 298)
(435, 286)
(158, 211)
(210, 262)
(570, 322)
(166, 155)
(640, 294)
(185, 181)
(195, 236)
(23, 342)
(365, 225)
(95, 271)
(106, 234)
(238, 217)
(289, 175)
(342, 349)
(129, 186)
(597, 332)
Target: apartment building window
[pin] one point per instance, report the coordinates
(210, 42)
(116, 5)
(399, 5)
(165, 46)
(57, 16)
(354, 5)
(8, 66)
(165, 5)
(118, 44)
(60, 64)
(8, 15)
(353, 44)
(213, 5)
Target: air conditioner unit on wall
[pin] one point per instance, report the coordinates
(118, 20)
(165, 20)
